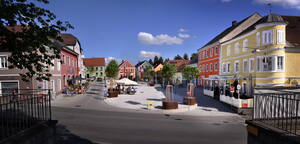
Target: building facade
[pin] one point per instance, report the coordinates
(209, 55)
(127, 70)
(140, 68)
(95, 67)
(69, 68)
(265, 55)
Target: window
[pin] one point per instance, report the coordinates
(96, 74)
(207, 53)
(211, 52)
(258, 39)
(96, 68)
(237, 48)
(59, 84)
(224, 67)
(52, 66)
(63, 59)
(258, 62)
(101, 73)
(251, 66)
(58, 66)
(268, 63)
(280, 63)
(267, 37)
(236, 67)
(216, 51)
(206, 67)
(216, 66)
(245, 66)
(245, 45)
(228, 67)
(52, 85)
(228, 50)
(68, 60)
(3, 61)
(280, 36)
(211, 67)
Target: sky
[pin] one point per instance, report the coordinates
(137, 30)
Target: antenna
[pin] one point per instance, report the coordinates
(270, 7)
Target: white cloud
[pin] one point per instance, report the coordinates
(283, 3)
(149, 39)
(108, 59)
(181, 35)
(148, 54)
(182, 30)
(226, 1)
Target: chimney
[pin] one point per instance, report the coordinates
(234, 23)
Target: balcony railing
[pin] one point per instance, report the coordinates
(278, 110)
(23, 109)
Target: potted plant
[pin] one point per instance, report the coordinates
(168, 72)
(190, 73)
(111, 72)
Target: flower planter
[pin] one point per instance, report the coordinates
(170, 104)
(113, 94)
(189, 100)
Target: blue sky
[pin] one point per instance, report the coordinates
(138, 29)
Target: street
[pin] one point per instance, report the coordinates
(87, 119)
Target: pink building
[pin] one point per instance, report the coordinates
(69, 67)
(126, 69)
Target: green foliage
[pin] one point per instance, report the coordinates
(194, 57)
(151, 62)
(190, 73)
(31, 34)
(178, 57)
(112, 69)
(146, 73)
(168, 71)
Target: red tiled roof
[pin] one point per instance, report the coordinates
(94, 61)
(180, 64)
(68, 39)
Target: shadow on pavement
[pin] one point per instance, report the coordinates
(133, 102)
(153, 99)
(203, 101)
(64, 136)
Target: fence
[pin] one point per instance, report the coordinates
(23, 109)
(279, 110)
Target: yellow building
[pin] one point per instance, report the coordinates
(158, 68)
(266, 54)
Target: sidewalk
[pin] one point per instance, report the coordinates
(146, 94)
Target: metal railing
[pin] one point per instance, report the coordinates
(23, 109)
(279, 110)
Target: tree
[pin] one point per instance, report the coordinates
(160, 61)
(155, 62)
(151, 62)
(31, 34)
(194, 57)
(168, 72)
(146, 73)
(178, 57)
(166, 60)
(185, 56)
(190, 73)
(112, 71)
